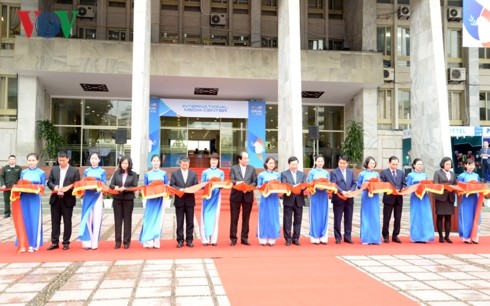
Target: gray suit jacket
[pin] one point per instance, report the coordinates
(292, 199)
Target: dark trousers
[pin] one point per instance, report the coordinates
(6, 200)
(296, 222)
(484, 169)
(185, 212)
(346, 211)
(235, 215)
(59, 210)
(123, 213)
(395, 208)
(447, 225)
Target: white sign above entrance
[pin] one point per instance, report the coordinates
(206, 108)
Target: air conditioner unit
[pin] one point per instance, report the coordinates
(389, 74)
(403, 12)
(86, 11)
(457, 74)
(454, 13)
(217, 19)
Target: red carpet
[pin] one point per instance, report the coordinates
(278, 275)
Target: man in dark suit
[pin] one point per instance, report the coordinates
(485, 161)
(345, 180)
(184, 206)
(241, 173)
(293, 204)
(62, 202)
(391, 203)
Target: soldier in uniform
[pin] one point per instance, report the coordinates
(10, 175)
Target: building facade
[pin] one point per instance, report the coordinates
(355, 65)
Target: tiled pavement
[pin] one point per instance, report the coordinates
(462, 279)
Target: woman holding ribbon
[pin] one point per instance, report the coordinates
(421, 224)
(370, 223)
(445, 202)
(155, 207)
(268, 228)
(467, 207)
(211, 207)
(319, 204)
(30, 207)
(92, 201)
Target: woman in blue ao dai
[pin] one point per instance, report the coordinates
(467, 207)
(154, 208)
(319, 204)
(30, 204)
(421, 223)
(370, 223)
(211, 207)
(268, 226)
(92, 204)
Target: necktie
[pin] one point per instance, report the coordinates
(344, 175)
(394, 174)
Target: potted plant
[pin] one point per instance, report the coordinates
(53, 141)
(107, 200)
(354, 143)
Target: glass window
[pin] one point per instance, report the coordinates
(456, 107)
(100, 112)
(67, 112)
(269, 42)
(385, 109)
(403, 47)
(404, 109)
(484, 54)
(10, 25)
(116, 34)
(485, 106)
(271, 121)
(8, 98)
(269, 7)
(454, 43)
(383, 40)
(173, 122)
(87, 33)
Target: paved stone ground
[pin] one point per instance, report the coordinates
(461, 279)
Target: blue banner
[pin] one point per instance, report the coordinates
(256, 133)
(476, 23)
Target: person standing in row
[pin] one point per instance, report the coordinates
(62, 202)
(392, 203)
(318, 204)
(184, 206)
(421, 223)
(151, 229)
(241, 173)
(123, 204)
(211, 207)
(92, 204)
(10, 175)
(268, 224)
(467, 207)
(370, 225)
(293, 203)
(346, 181)
(485, 160)
(30, 203)
(445, 202)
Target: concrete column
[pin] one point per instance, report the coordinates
(101, 15)
(141, 85)
(360, 30)
(30, 108)
(289, 83)
(472, 88)
(255, 23)
(429, 111)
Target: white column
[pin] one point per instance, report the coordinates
(289, 84)
(429, 111)
(141, 85)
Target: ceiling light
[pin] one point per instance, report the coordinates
(311, 94)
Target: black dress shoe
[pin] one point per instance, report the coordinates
(6, 216)
(118, 245)
(441, 239)
(296, 242)
(214, 244)
(386, 240)
(396, 239)
(245, 242)
(126, 245)
(53, 246)
(288, 243)
(232, 243)
(348, 241)
(337, 241)
(180, 244)
(474, 242)
(190, 244)
(66, 247)
(448, 240)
